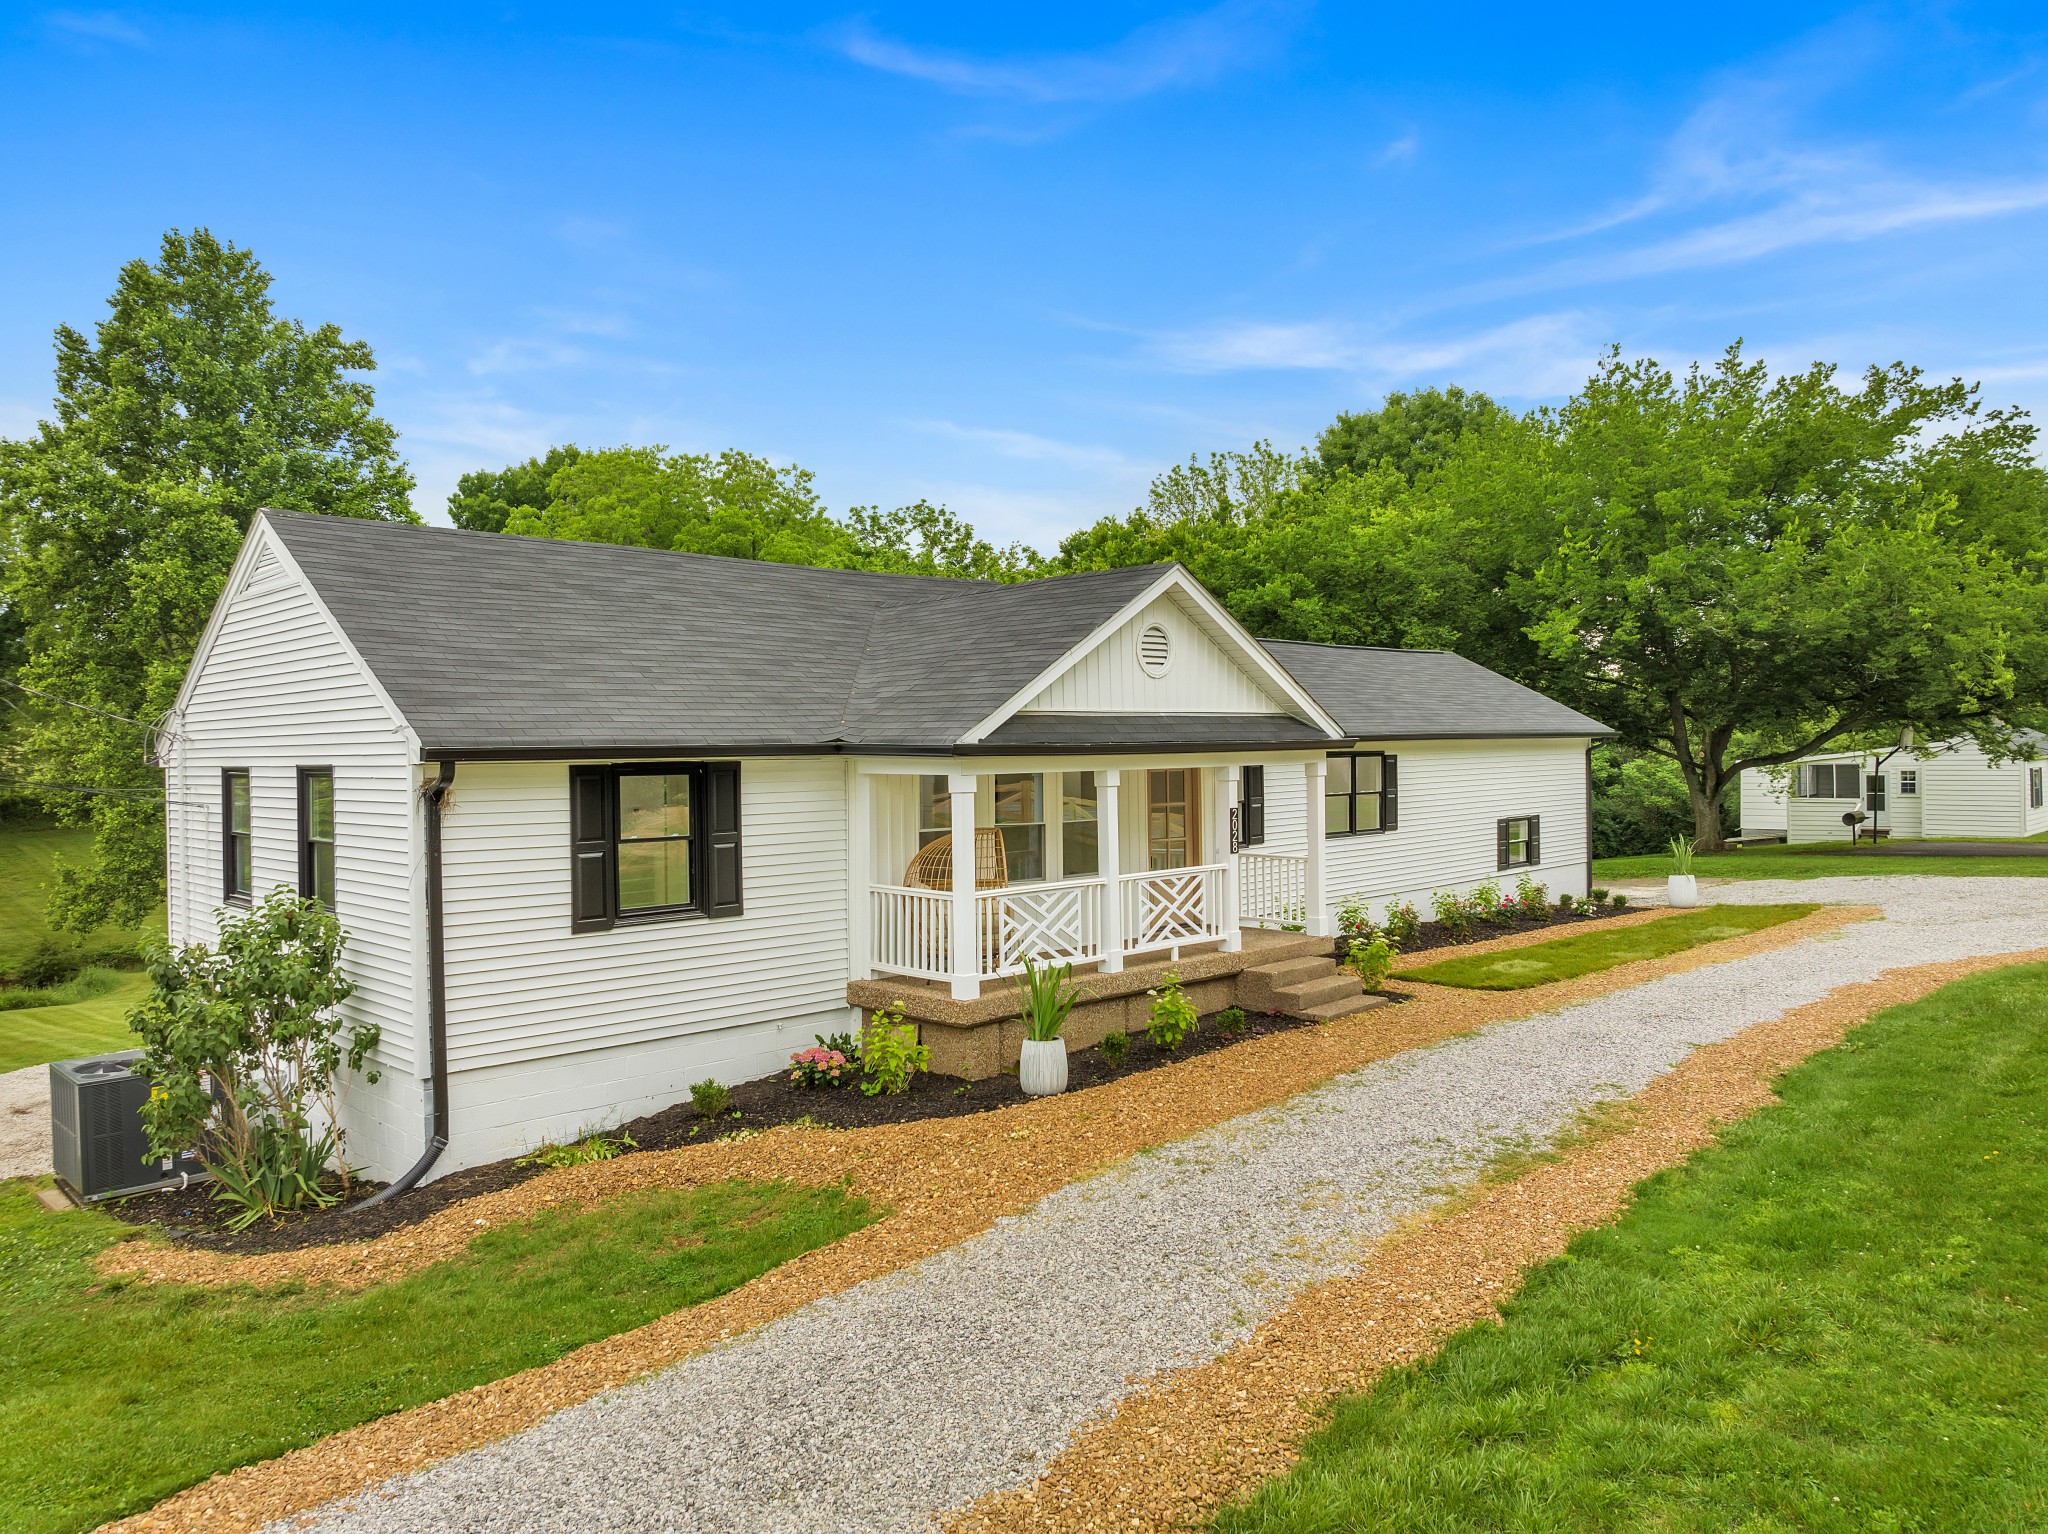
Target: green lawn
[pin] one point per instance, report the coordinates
(97, 1026)
(1810, 860)
(1836, 1321)
(1590, 952)
(113, 1396)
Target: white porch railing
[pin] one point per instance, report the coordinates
(1172, 907)
(1272, 889)
(911, 927)
(1042, 922)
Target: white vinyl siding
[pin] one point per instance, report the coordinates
(278, 689)
(1763, 803)
(1964, 794)
(1453, 796)
(1200, 677)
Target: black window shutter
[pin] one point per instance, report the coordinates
(1390, 793)
(1535, 840)
(1500, 847)
(721, 833)
(592, 882)
(1251, 824)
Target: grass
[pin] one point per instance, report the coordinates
(1812, 860)
(28, 862)
(94, 1024)
(1590, 952)
(113, 1396)
(1836, 1321)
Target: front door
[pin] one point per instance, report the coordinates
(1170, 819)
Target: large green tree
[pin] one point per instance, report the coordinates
(1411, 434)
(192, 406)
(1735, 570)
(485, 500)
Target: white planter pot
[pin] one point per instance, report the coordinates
(1682, 890)
(1042, 1072)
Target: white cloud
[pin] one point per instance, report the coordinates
(1190, 50)
(97, 26)
(1029, 446)
(1401, 151)
(1536, 356)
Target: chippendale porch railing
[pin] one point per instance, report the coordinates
(911, 929)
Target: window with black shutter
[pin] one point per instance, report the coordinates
(1251, 806)
(1518, 842)
(653, 842)
(1359, 793)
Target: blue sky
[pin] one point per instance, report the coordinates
(1019, 258)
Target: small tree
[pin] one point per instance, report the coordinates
(245, 1046)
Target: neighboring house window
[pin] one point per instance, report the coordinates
(2034, 787)
(653, 842)
(237, 844)
(316, 834)
(1020, 817)
(1359, 793)
(1518, 842)
(1909, 783)
(1829, 780)
(1873, 792)
(1080, 837)
(1169, 828)
(1251, 806)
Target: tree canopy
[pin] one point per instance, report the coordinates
(193, 405)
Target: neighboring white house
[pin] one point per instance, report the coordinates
(1950, 790)
(601, 822)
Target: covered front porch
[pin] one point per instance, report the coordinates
(1100, 864)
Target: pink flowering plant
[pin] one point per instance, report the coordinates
(821, 1067)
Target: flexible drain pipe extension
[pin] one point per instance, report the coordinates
(437, 995)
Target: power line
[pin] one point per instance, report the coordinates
(82, 707)
(80, 788)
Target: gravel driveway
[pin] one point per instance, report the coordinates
(25, 1122)
(912, 1395)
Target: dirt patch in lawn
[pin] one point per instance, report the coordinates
(943, 1180)
(1169, 1456)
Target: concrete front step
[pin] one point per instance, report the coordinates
(1330, 1011)
(1301, 986)
(1311, 993)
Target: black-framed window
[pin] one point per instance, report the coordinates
(1251, 806)
(1518, 841)
(237, 837)
(1360, 793)
(316, 834)
(653, 841)
(2034, 787)
(1830, 780)
(1909, 783)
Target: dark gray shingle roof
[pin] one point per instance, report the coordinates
(490, 643)
(1422, 695)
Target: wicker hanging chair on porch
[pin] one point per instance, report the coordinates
(932, 868)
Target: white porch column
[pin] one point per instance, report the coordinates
(1315, 881)
(966, 941)
(1225, 802)
(860, 873)
(1109, 851)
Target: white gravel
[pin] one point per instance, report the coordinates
(880, 1407)
(25, 1122)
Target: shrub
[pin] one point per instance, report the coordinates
(1048, 996)
(590, 1148)
(1115, 1045)
(710, 1097)
(890, 1055)
(1531, 899)
(1488, 905)
(1372, 962)
(1230, 1022)
(1404, 923)
(1172, 1017)
(242, 1047)
(1618, 900)
(48, 964)
(840, 1043)
(1597, 895)
(821, 1067)
(1453, 912)
(1355, 923)
(1565, 903)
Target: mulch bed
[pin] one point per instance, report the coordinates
(1436, 935)
(193, 1217)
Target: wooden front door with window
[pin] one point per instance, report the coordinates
(1171, 840)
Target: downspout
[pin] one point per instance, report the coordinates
(437, 995)
(1589, 819)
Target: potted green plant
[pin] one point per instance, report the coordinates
(1048, 997)
(1682, 889)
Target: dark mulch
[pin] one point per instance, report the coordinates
(194, 1218)
(1436, 935)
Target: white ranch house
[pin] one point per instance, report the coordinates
(601, 822)
(1942, 791)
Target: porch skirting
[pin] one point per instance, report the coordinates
(983, 1036)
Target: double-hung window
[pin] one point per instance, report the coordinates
(1020, 818)
(1359, 793)
(316, 834)
(1909, 783)
(237, 844)
(1080, 826)
(1518, 842)
(653, 842)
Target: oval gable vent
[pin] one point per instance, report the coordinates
(1155, 649)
